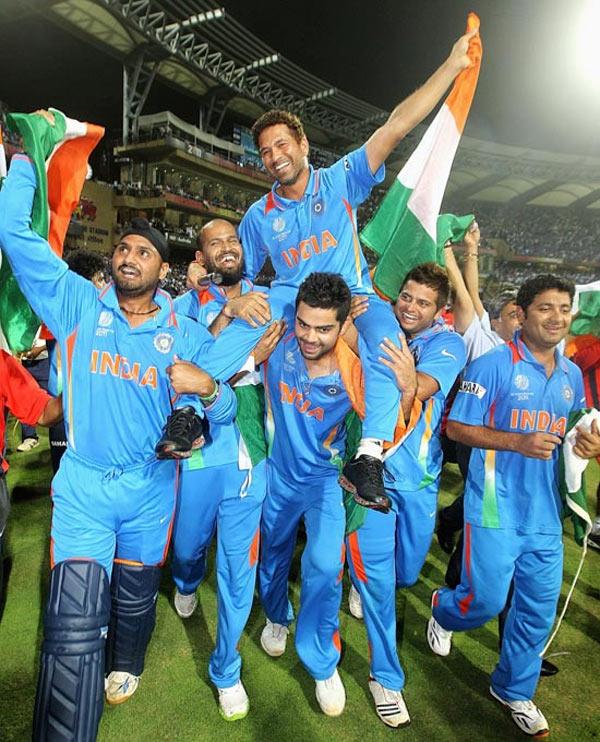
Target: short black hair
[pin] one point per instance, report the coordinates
(326, 291)
(85, 263)
(538, 284)
(432, 276)
(278, 116)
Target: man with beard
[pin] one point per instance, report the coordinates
(307, 223)
(113, 500)
(222, 486)
(512, 409)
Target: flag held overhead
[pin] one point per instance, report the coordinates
(403, 231)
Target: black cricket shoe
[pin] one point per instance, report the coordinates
(363, 478)
(445, 534)
(548, 669)
(183, 428)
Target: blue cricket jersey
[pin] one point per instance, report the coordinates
(417, 461)
(305, 426)
(225, 445)
(507, 389)
(116, 394)
(316, 233)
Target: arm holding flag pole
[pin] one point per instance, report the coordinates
(411, 111)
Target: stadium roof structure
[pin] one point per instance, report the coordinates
(198, 47)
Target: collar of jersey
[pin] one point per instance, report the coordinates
(438, 325)
(218, 294)
(166, 315)
(275, 200)
(526, 355)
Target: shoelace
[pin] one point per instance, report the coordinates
(182, 422)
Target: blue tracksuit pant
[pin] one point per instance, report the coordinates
(120, 513)
(492, 558)
(233, 346)
(319, 504)
(227, 501)
(386, 552)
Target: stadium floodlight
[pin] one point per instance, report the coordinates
(262, 62)
(196, 20)
(587, 46)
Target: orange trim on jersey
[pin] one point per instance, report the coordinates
(129, 562)
(70, 348)
(466, 602)
(337, 642)
(253, 554)
(355, 241)
(270, 203)
(204, 296)
(356, 557)
(172, 316)
(516, 356)
(102, 294)
(172, 521)
(342, 561)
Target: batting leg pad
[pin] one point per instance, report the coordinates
(70, 690)
(134, 590)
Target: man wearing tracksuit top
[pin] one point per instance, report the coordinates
(113, 501)
(512, 408)
(220, 491)
(307, 223)
(389, 549)
(306, 407)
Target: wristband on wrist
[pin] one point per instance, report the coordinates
(471, 255)
(208, 400)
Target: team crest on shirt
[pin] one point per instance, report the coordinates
(289, 358)
(318, 207)
(567, 393)
(279, 224)
(163, 342)
(521, 382)
(105, 319)
(333, 390)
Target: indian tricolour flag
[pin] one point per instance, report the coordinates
(586, 307)
(60, 157)
(403, 230)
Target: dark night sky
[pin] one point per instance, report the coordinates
(529, 93)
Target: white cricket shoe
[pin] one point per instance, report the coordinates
(331, 695)
(389, 705)
(233, 702)
(355, 603)
(185, 605)
(439, 640)
(526, 715)
(28, 445)
(274, 638)
(120, 686)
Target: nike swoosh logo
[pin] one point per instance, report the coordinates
(446, 353)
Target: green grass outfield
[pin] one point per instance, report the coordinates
(447, 698)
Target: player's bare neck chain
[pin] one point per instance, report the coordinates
(155, 308)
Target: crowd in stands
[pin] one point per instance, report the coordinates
(542, 232)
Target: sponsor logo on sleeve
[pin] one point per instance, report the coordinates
(471, 387)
